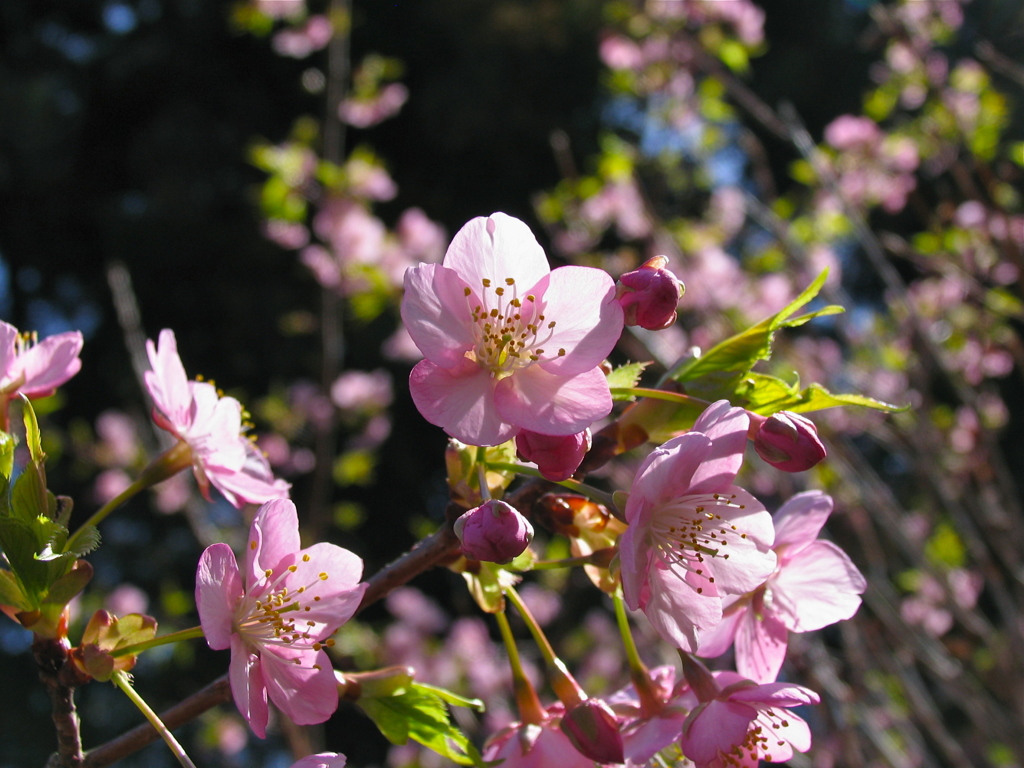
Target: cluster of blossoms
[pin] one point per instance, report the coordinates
(513, 351)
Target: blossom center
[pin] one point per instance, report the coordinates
(511, 331)
(689, 531)
(277, 611)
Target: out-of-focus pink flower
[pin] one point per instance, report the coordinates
(321, 760)
(556, 456)
(494, 532)
(362, 391)
(365, 112)
(36, 369)
(211, 427)
(509, 345)
(853, 132)
(693, 536)
(286, 234)
(542, 745)
(593, 729)
(649, 295)
(744, 723)
(277, 615)
(814, 585)
(356, 236)
(281, 9)
(789, 441)
(370, 180)
(299, 42)
(422, 239)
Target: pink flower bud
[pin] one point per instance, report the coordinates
(594, 730)
(556, 456)
(649, 295)
(789, 441)
(494, 532)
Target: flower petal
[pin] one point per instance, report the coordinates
(327, 602)
(800, 519)
(252, 483)
(677, 611)
(8, 335)
(460, 400)
(667, 471)
(760, 647)
(817, 587)
(167, 382)
(542, 402)
(218, 590)
(247, 688)
(713, 728)
(301, 684)
(718, 640)
(747, 526)
(437, 313)
(49, 363)
(727, 428)
(273, 538)
(588, 320)
(496, 248)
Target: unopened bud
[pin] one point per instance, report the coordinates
(494, 532)
(556, 456)
(649, 295)
(789, 441)
(594, 730)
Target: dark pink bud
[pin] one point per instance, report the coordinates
(789, 441)
(494, 532)
(556, 456)
(594, 730)
(649, 295)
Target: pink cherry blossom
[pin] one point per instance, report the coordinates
(524, 745)
(647, 732)
(278, 616)
(814, 585)
(36, 370)
(211, 427)
(693, 536)
(509, 344)
(745, 723)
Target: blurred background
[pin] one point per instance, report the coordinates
(257, 177)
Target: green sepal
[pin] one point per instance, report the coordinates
(487, 581)
(625, 377)
(419, 713)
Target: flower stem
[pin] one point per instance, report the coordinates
(530, 709)
(592, 493)
(121, 680)
(650, 704)
(562, 681)
(658, 394)
(184, 634)
(481, 472)
(169, 463)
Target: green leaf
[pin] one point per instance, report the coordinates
(452, 698)
(738, 353)
(7, 444)
(625, 377)
(766, 395)
(420, 714)
(32, 436)
(11, 592)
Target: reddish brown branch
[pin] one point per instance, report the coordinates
(59, 678)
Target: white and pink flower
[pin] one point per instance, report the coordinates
(277, 616)
(509, 344)
(815, 584)
(36, 369)
(211, 428)
(693, 536)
